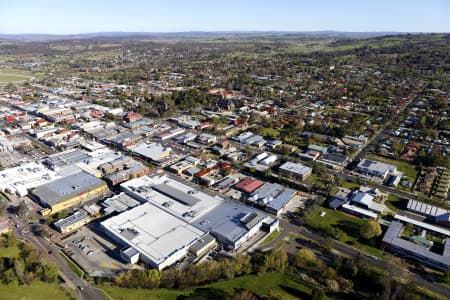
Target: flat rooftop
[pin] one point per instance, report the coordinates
(19, 179)
(153, 232)
(230, 220)
(64, 188)
(178, 199)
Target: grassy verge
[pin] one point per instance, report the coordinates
(271, 237)
(35, 291)
(72, 265)
(282, 285)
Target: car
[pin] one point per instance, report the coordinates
(50, 252)
(80, 288)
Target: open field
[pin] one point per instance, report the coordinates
(10, 252)
(349, 224)
(13, 75)
(287, 287)
(35, 291)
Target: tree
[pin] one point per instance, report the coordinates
(370, 229)
(50, 272)
(305, 257)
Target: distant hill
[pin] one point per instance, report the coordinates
(190, 34)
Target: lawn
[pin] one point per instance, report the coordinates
(9, 252)
(287, 287)
(403, 166)
(334, 218)
(394, 202)
(349, 185)
(35, 291)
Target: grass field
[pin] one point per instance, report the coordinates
(9, 252)
(35, 291)
(13, 75)
(285, 286)
(345, 222)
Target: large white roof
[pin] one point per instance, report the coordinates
(19, 179)
(146, 189)
(155, 233)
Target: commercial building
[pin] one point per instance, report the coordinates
(392, 240)
(248, 185)
(160, 238)
(153, 151)
(296, 170)
(73, 222)
(69, 191)
(18, 180)
(375, 168)
(231, 223)
(203, 245)
(119, 203)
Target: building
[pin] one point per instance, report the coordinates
(73, 222)
(375, 168)
(231, 223)
(203, 245)
(160, 238)
(296, 170)
(18, 180)
(69, 191)
(392, 240)
(119, 203)
(435, 214)
(248, 185)
(153, 151)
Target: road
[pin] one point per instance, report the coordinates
(51, 254)
(352, 252)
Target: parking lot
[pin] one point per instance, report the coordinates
(97, 256)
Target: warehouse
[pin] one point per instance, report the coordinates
(69, 191)
(160, 238)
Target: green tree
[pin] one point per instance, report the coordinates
(370, 229)
(50, 272)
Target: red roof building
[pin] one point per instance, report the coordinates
(132, 116)
(248, 185)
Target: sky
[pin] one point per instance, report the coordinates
(84, 16)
